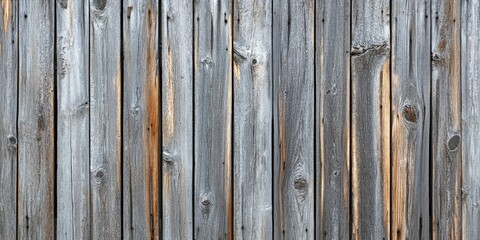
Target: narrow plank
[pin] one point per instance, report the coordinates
(370, 119)
(470, 35)
(36, 140)
(293, 72)
(332, 160)
(8, 121)
(446, 120)
(105, 119)
(177, 118)
(213, 202)
(141, 203)
(411, 119)
(252, 106)
(73, 161)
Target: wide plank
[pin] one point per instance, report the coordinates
(36, 117)
(252, 87)
(73, 120)
(141, 137)
(8, 119)
(332, 119)
(370, 133)
(446, 149)
(213, 197)
(105, 119)
(293, 74)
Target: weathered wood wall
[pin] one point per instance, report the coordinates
(239, 119)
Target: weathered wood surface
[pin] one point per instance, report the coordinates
(410, 89)
(141, 89)
(332, 119)
(73, 114)
(446, 149)
(177, 118)
(370, 133)
(293, 73)
(213, 200)
(252, 87)
(36, 115)
(105, 119)
(8, 118)
(470, 35)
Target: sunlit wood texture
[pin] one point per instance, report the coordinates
(410, 119)
(446, 153)
(293, 74)
(105, 119)
(73, 120)
(213, 197)
(370, 154)
(8, 119)
(332, 119)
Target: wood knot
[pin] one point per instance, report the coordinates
(208, 62)
(12, 142)
(453, 142)
(135, 110)
(254, 61)
(100, 4)
(206, 203)
(63, 3)
(99, 175)
(300, 183)
(410, 113)
(168, 157)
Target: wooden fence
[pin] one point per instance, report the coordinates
(245, 119)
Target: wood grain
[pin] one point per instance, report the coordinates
(213, 201)
(370, 154)
(252, 87)
(332, 119)
(293, 64)
(446, 120)
(470, 35)
(73, 114)
(141, 203)
(177, 118)
(411, 119)
(8, 119)
(105, 119)
(36, 139)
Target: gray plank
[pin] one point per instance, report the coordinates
(8, 119)
(411, 119)
(141, 203)
(36, 151)
(105, 119)
(370, 119)
(446, 120)
(293, 64)
(470, 35)
(252, 83)
(332, 197)
(177, 118)
(213, 202)
(73, 161)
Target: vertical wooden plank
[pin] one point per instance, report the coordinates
(252, 106)
(470, 35)
(293, 42)
(73, 160)
(36, 155)
(446, 125)
(177, 118)
(332, 119)
(411, 119)
(140, 120)
(8, 120)
(370, 119)
(213, 203)
(105, 119)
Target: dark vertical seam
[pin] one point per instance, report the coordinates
(272, 89)
(122, 76)
(17, 45)
(391, 121)
(90, 225)
(194, 4)
(430, 157)
(160, 120)
(315, 125)
(232, 135)
(459, 31)
(351, 123)
(55, 120)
